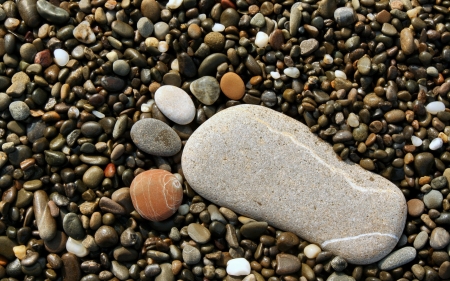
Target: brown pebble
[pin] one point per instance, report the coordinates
(415, 207)
(232, 86)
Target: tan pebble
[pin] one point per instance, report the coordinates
(20, 251)
(415, 207)
(176, 267)
(232, 86)
(443, 136)
(156, 194)
(311, 251)
(424, 180)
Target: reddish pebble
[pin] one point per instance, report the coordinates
(227, 4)
(110, 170)
(156, 194)
(415, 207)
(43, 58)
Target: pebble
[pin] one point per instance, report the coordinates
(106, 236)
(238, 267)
(121, 67)
(156, 194)
(232, 86)
(344, 16)
(93, 177)
(423, 163)
(19, 110)
(198, 233)
(421, 240)
(46, 224)
(206, 89)
(416, 141)
(174, 4)
(416, 207)
(307, 47)
(51, 12)
(145, 27)
(312, 251)
(435, 107)
(439, 238)
(262, 39)
(83, 33)
(253, 229)
(175, 104)
(7, 247)
(61, 56)
(338, 263)
(287, 240)
(191, 255)
(151, 10)
(344, 239)
(120, 271)
(287, 264)
(436, 144)
(75, 247)
(397, 258)
(292, 72)
(339, 276)
(155, 137)
(73, 227)
(407, 41)
(295, 18)
(433, 199)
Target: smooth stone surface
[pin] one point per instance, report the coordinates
(6, 249)
(198, 233)
(51, 12)
(156, 194)
(46, 224)
(19, 110)
(206, 89)
(397, 258)
(367, 197)
(238, 267)
(439, 238)
(210, 63)
(287, 264)
(232, 86)
(191, 255)
(175, 104)
(155, 137)
(72, 226)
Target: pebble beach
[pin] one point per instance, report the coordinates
(225, 140)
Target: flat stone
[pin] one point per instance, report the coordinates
(198, 233)
(46, 224)
(397, 258)
(175, 104)
(287, 264)
(206, 89)
(308, 46)
(155, 137)
(295, 19)
(156, 194)
(217, 147)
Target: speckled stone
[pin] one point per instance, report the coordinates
(397, 258)
(175, 104)
(214, 152)
(155, 137)
(156, 194)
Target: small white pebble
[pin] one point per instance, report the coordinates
(356, 4)
(436, 143)
(218, 27)
(275, 75)
(340, 74)
(435, 107)
(145, 108)
(262, 39)
(416, 141)
(163, 46)
(202, 17)
(112, 56)
(61, 57)
(174, 4)
(98, 114)
(66, 150)
(311, 251)
(327, 59)
(183, 209)
(238, 267)
(353, 120)
(151, 42)
(370, 16)
(292, 72)
(174, 65)
(75, 247)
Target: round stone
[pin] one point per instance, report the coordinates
(439, 238)
(344, 16)
(238, 267)
(191, 255)
(415, 207)
(155, 137)
(93, 177)
(175, 104)
(433, 199)
(19, 110)
(121, 67)
(83, 33)
(106, 236)
(232, 86)
(145, 27)
(215, 41)
(206, 89)
(311, 251)
(198, 233)
(61, 57)
(156, 194)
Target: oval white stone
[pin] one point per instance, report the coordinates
(337, 223)
(175, 104)
(435, 107)
(218, 27)
(262, 39)
(292, 72)
(238, 267)
(436, 143)
(311, 251)
(340, 74)
(275, 75)
(75, 247)
(174, 4)
(61, 57)
(416, 141)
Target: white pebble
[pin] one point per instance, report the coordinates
(328, 59)
(112, 56)
(436, 143)
(174, 65)
(275, 75)
(202, 17)
(151, 42)
(435, 107)
(311, 251)
(356, 4)
(370, 16)
(262, 39)
(292, 72)
(98, 114)
(145, 108)
(183, 209)
(174, 4)
(416, 141)
(238, 267)
(163, 46)
(61, 57)
(340, 74)
(218, 27)
(353, 120)
(75, 247)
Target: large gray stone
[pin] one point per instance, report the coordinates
(268, 166)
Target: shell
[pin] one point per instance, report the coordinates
(156, 194)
